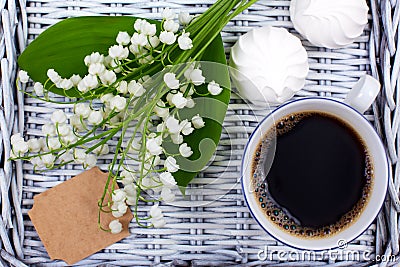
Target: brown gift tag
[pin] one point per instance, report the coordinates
(65, 217)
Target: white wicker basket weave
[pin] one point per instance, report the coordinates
(221, 232)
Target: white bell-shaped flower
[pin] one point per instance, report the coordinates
(185, 150)
(186, 127)
(118, 103)
(185, 18)
(173, 125)
(23, 76)
(168, 14)
(167, 195)
(198, 122)
(184, 41)
(167, 38)
(214, 88)
(38, 88)
(123, 38)
(179, 100)
(95, 117)
(59, 117)
(115, 227)
(167, 179)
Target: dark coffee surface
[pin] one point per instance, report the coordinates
(318, 172)
(320, 177)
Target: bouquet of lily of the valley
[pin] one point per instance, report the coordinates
(158, 91)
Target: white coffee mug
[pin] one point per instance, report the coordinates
(372, 141)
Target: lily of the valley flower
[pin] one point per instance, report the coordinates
(196, 77)
(148, 29)
(135, 88)
(115, 227)
(58, 116)
(160, 110)
(130, 189)
(122, 87)
(77, 123)
(20, 147)
(66, 157)
(127, 177)
(102, 150)
(64, 129)
(96, 68)
(90, 161)
(118, 52)
(178, 100)
(167, 38)
(110, 82)
(118, 195)
(48, 160)
(71, 138)
(184, 41)
(65, 84)
(177, 138)
(75, 79)
(119, 209)
(173, 125)
(171, 26)
(186, 127)
(34, 145)
(168, 14)
(197, 122)
(190, 103)
(157, 218)
(171, 81)
(87, 83)
(153, 42)
(37, 162)
(82, 109)
(108, 77)
(53, 143)
(139, 39)
(153, 145)
(185, 18)
(16, 138)
(53, 76)
(38, 88)
(106, 98)
(49, 129)
(171, 165)
(95, 117)
(167, 195)
(167, 179)
(94, 57)
(23, 76)
(123, 38)
(138, 25)
(79, 155)
(118, 103)
(185, 150)
(214, 88)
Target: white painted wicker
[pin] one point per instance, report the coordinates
(221, 232)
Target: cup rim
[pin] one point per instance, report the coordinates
(376, 210)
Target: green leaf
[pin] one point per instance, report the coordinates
(63, 47)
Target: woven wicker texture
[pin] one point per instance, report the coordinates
(217, 230)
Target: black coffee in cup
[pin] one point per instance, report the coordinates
(320, 177)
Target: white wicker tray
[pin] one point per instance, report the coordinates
(220, 232)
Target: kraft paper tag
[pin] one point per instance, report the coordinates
(66, 218)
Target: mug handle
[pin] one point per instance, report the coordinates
(363, 93)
